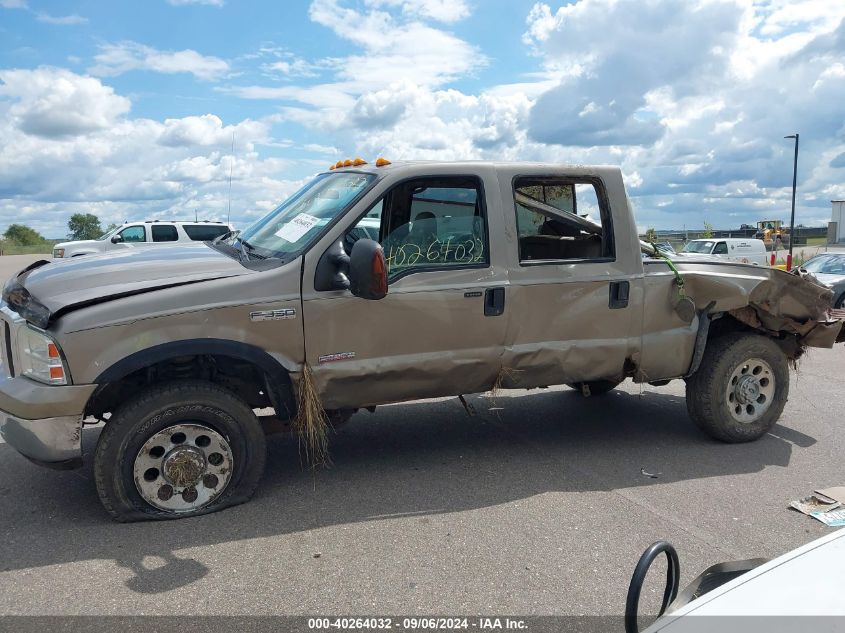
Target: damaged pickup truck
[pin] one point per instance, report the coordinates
(376, 284)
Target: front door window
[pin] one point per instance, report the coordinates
(428, 224)
(133, 234)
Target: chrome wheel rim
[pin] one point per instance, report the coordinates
(750, 391)
(183, 468)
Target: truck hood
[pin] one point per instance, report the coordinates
(63, 285)
(80, 243)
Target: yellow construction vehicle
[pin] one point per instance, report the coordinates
(773, 233)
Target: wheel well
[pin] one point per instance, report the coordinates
(726, 323)
(245, 379)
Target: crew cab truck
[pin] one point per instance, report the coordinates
(376, 284)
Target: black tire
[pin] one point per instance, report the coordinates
(597, 387)
(709, 400)
(158, 408)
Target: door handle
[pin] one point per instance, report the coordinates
(619, 291)
(494, 301)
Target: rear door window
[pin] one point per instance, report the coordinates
(205, 232)
(561, 219)
(164, 233)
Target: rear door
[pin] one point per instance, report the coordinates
(575, 292)
(441, 328)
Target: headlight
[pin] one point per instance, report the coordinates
(24, 304)
(40, 358)
(58, 252)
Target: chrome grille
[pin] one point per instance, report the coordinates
(9, 322)
(5, 365)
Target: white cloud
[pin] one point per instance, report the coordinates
(52, 102)
(440, 10)
(394, 50)
(13, 4)
(122, 57)
(61, 20)
(66, 145)
(691, 99)
(208, 130)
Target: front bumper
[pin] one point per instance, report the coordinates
(52, 442)
(43, 422)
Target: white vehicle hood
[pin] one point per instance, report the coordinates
(808, 581)
(96, 244)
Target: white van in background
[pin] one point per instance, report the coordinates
(738, 249)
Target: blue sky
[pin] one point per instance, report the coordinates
(127, 109)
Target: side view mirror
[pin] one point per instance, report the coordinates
(368, 270)
(116, 239)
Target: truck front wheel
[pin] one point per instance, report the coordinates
(740, 389)
(178, 449)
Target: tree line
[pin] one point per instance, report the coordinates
(81, 226)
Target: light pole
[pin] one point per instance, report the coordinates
(792, 218)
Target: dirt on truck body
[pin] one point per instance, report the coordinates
(376, 284)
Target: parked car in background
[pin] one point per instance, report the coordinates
(829, 269)
(143, 234)
(665, 248)
(743, 250)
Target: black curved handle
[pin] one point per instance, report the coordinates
(673, 578)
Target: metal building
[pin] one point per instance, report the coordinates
(836, 228)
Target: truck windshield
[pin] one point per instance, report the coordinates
(108, 234)
(698, 247)
(293, 225)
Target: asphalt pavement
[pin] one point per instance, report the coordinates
(541, 503)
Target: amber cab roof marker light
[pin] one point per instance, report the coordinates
(381, 162)
(359, 161)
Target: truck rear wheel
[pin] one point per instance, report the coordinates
(178, 449)
(740, 389)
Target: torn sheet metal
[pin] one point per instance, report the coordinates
(767, 299)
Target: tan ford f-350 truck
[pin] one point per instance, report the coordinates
(375, 284)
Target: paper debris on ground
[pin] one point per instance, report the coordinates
(813, 504)
(833, 518)
(825, 505)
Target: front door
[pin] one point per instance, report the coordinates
(440, 330)
(132, 236)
